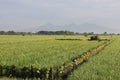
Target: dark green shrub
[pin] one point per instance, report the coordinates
(94, 38)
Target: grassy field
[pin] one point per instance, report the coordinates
(104, 66)
(46, 51)
(41, 51)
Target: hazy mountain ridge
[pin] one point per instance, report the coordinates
(85, 27)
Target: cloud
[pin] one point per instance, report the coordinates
(30, 13)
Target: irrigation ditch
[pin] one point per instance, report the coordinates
(59, 73)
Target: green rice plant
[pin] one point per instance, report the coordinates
(41, 51)
(104, 66)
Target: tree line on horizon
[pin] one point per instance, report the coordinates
(50, 33)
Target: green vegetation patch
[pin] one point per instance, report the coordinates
(104, 66)
(41, 51)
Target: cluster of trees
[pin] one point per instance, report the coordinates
(13, 33)
(38, 33)
(56, 32)
(50, 33)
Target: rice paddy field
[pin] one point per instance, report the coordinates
(104, 66)
(48, 51)
(41, 51)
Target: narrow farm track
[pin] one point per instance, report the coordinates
(82, 59)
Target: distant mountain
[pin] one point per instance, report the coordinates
(85, 27)
(88, 27)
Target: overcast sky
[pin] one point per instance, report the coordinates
(22, 14)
